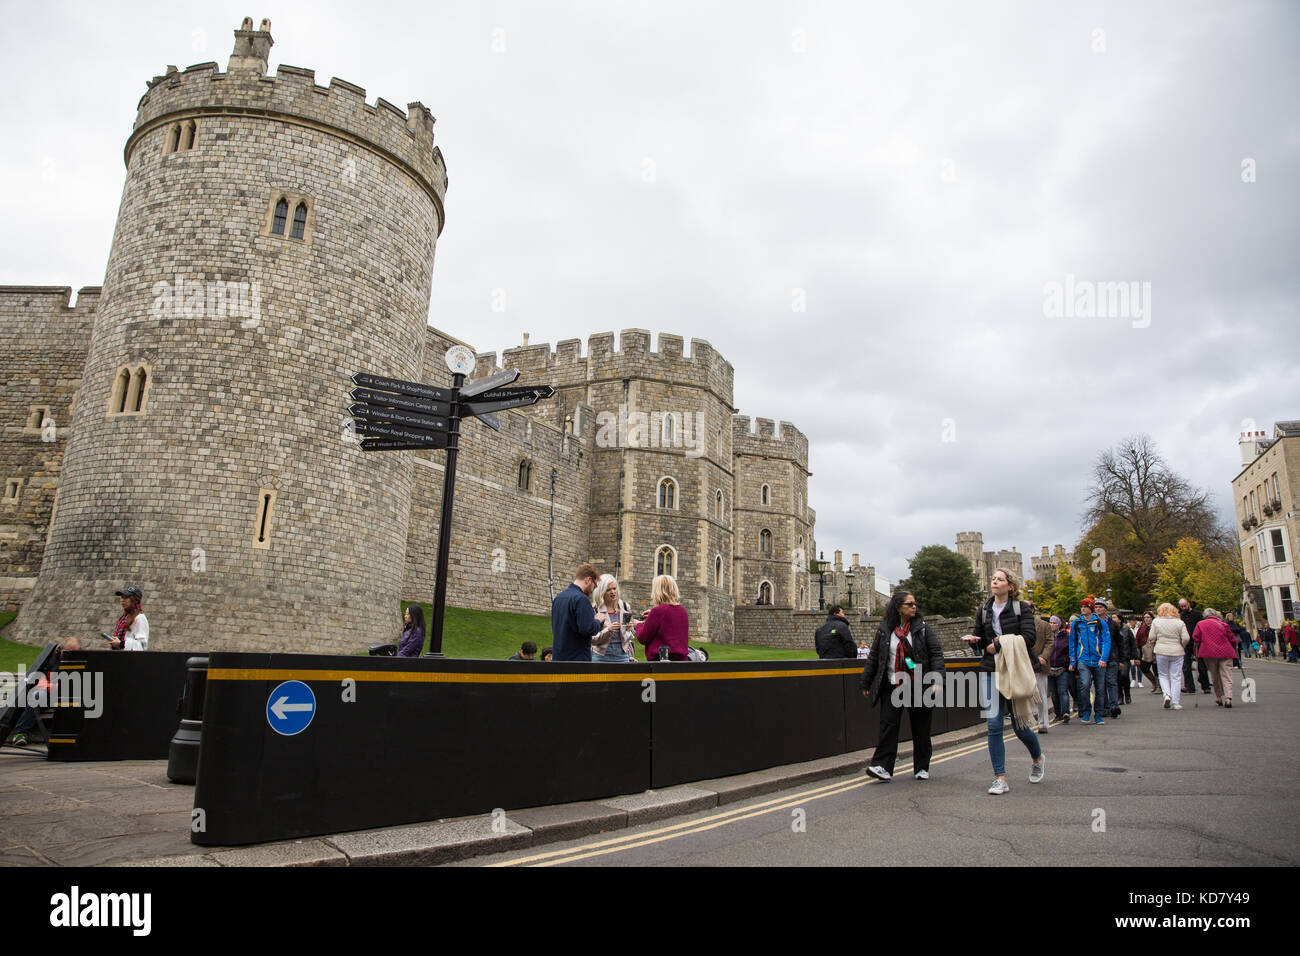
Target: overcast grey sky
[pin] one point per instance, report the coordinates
(915, 174)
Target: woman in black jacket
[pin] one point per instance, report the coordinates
(903, 655)
(998, 616)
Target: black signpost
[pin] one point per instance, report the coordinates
(402, 415)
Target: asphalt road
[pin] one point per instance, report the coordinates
(1204, 786)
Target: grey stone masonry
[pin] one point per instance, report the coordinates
(235, 496)
(787, 628)
(43, 342)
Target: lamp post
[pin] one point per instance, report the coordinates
(849, 579)
(821, 580)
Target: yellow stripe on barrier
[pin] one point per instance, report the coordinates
(72, 667)
(62, 740)
(443, 677)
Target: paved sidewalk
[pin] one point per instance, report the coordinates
(128, 814)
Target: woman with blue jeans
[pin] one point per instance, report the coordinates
(1004, 614)
(1058, 673)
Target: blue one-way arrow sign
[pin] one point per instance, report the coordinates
(290, 708)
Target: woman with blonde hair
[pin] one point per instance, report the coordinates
(1169, 639)
(666, 628)
(615, 644)
(1004, 631)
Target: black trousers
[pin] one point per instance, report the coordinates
(891, 719)
(1189, 684)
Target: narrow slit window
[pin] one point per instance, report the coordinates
(265, 518)
(191, 133)
(121, 385)
(137, 387)
(299, 221)
(281, 213)
(174, 138)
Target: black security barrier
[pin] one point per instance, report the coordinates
(719, 719)
(116, 705)
(298, 745)
(400, 740)
(183, 752)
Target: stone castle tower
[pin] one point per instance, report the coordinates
(774, 526)
(274, 236)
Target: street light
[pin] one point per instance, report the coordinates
(821, 580)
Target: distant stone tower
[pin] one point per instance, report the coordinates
(774, 530)
(970, 545)
(274, 236)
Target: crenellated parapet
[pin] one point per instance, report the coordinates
(292, 96)
(763, 438)
(632, 357)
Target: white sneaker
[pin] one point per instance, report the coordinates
(1000, 786)
(1178, 706)
(923, 775)
(879, 772)
(1038, 770)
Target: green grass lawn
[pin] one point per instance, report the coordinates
(495, 635)
(481, 635)
(11, 654)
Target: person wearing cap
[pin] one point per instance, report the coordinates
(1112, 661)
(1089, 651)
(131, 633)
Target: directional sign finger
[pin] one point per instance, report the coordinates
(403, 432)
(403, 387)
(420, 405)
(392, 444)
(398, 417)
(478, 408)
(478, 387)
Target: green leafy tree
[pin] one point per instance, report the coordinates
(942, 582)
(1189, 571)
(1066, 593)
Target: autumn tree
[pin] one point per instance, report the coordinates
(1188, 570)
(1137, 510)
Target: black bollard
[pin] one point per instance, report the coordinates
(183, 753)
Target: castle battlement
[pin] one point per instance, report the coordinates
(48, 298)
(763, 437)
(633, 358)
(404, 137)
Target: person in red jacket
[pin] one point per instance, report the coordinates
(667, 624)
(1217, 646)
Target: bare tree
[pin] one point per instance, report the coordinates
(1132, 482)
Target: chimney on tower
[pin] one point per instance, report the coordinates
(839, 560)
(1248, 443)
(252, 47)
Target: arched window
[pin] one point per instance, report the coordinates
(525, 475)
(765, 541)
(121, 385)
(764, 495)
(666, 561)
(299, 221)
(174, 138)
(717, 505)
(668, 431)
(765, 593)
(138, 383)
(281, 213)
(191, 133)
(717, 571)
(667, 493)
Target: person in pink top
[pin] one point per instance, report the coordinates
(667, 624)
(1217, 646)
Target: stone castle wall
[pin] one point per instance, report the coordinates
(243, 408)
(247, 407)
(786, 628)
(43, 343)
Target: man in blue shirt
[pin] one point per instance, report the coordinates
(573, 619)
(1089, 649)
